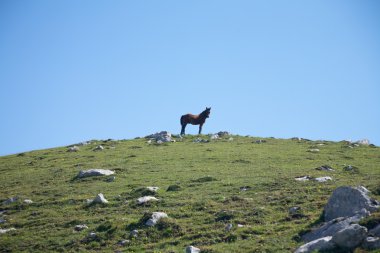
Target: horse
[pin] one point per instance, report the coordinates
(194, 120)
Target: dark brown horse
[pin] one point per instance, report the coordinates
(194, 120)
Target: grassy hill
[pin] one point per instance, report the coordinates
(231, 180)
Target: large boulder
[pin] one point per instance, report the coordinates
(192, 249)
(350, 237)
(321, 244)
(162, 136)
(346, 201)
(94, 172)
(99, 199)
(332, 227)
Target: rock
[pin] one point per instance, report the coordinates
(73, 149)
(313, 150)
(162, 136)
(192, 249)
(146, 199)
(303, 178)
(99, 199)
(371, 243)
(153, 188)
(229, 227)
(173, 188)
(80, 227)
(230, 139)
(325, 168)
(2, 221)
(94, 172)
(347, 201)
(294, 210)
(331, 227)
(375, 231)
(245, 188)
(134, 233)
(351, 168)
(321, 244)
(6, 230)
(260, 141)
(10, 200)
(98, 148)
(240, 225)
(223, 133)
(322, 179)
(156, 216)
(92, 235)
(123, 242)
(28, 201)
(199, 140)
(364, 142)
(350, 237)
(111, 179)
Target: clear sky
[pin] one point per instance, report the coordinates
(74, 70)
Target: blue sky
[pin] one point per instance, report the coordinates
(72, 71)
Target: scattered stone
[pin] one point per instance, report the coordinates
(2, 221)
(240, 226)
(10, 200)
(192, 249)
(351, 168)
(28, 201)
(294, 210)
(323, 179)
(146, 199)
(347, 201)
(229, 227)
(223, 133)
(80, 227)
(321, 244)
(200, 140)
(230, 139)
(214, 137)
(99, 199)
(260, 141)
(153, 188)
(94, 172)
(350, 237)
(156, 216)
(303, 178)
(134, 233)
(6, 230)
(98, 148)
(364, 142)
(111, 179)
(371, 243)
(149, 142)
(162, 136)
(245, 188)
(123, 242)
(313, 150)
(73, 149)
(92, 235)
(173, 188)
(325, 168)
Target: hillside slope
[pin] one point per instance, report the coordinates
(244, 181)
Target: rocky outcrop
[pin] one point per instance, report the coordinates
(347, 201)
(156, 217)
(94, 173)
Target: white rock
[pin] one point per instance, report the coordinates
(350, 237)
(161, 137)
(156, 216)
(322, 179)
(99, 148)
(28, 201)
(80, 227)
(3, 231)
(228, 227)
(2, 221)
(214, 137)
(303, 178)
(10, 200)
(153, 188)
(134, 233)
(192, 249)
(294, 210)
(347, 201)
(94, 172)
(240, 226)
(314, 150)
(363, 142)
(321, 244)
(146, 199)
(73, 149)
(99, 199)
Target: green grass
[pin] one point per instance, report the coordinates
(207, 178)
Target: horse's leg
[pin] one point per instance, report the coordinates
(183, 129)
(200, 128)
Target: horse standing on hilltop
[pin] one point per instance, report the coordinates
(194, 120)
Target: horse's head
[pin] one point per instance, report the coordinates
(206, 112)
